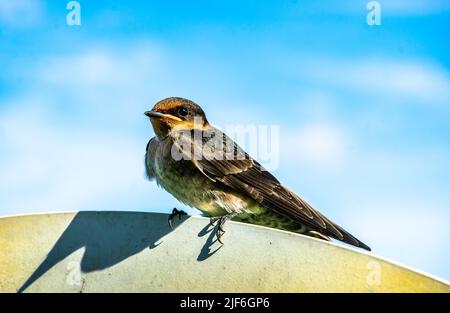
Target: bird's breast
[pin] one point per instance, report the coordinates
(189, 185)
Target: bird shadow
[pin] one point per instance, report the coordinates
(107, 240)
(207, 251)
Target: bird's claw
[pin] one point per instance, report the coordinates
(221, 221)
(220, 228)
(218, 236)
(219, 231)
(175, 212)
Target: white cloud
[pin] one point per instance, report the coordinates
(76, 138)
(319, 145)
(405, 80)
(102, 66)
(415, 234)
(414, 7)
(388, 7)
(20, 13)
(47, 168)
(100, 85)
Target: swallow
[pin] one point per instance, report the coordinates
(203, 168)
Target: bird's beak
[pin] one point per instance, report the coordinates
(161, 115)
(153, 114)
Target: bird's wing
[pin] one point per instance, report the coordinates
(150, 151)
(244, 174)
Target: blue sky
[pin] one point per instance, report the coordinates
(363, 110)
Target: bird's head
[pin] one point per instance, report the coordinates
(176, 114)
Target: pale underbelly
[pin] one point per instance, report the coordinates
(193, 188)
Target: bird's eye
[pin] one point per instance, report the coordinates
(182, 112)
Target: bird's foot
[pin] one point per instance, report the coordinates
(221, 221)
(175, 213)
(214, 219)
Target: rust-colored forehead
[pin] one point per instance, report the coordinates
(171, 103)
